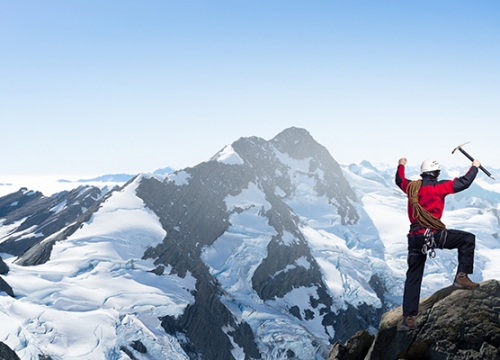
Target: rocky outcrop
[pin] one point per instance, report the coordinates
(41, 215)
(6, 353)
(6, 288)
(39, 253)
(354, 349)
(453, 324)
(4, 268)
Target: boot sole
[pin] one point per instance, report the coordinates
(460, 286)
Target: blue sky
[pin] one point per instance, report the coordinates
(94, 87)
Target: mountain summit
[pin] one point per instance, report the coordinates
(237, 224)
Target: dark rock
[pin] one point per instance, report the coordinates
(44, 357)
(295, 311)
(45, 215)
(39, 253)
(4, 268)
(6, 353)
(6, 287)
(159, 270)
(129, 352)
(139, 346)
(453, 324)
(355, 348)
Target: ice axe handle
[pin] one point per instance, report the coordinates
(472, 159)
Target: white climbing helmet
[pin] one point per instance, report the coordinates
(429, 165)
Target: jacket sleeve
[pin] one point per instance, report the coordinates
(463, 182)
(400, 179)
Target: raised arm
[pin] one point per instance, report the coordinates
(400, 179)
(463, 182)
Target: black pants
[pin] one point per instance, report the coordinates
(464, 241)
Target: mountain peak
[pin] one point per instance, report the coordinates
(296, 142)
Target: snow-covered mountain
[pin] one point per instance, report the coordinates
(268, 250)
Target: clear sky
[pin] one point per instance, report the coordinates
(98, 87)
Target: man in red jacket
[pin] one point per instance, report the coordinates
(425, 208)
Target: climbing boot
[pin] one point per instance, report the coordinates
(408, 323)
(462, 281)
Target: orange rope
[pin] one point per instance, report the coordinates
(424, 217)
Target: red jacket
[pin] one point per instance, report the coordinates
(432, 192)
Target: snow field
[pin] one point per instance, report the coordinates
(96, 294)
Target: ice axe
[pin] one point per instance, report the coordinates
(459, 147)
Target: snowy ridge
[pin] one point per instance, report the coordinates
(96, 293)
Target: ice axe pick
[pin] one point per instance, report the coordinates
(459, 147)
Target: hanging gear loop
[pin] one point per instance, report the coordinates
(430, 244)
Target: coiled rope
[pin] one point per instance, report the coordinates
(424, 217)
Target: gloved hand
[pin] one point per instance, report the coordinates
(476, 163)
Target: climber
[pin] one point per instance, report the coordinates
(425, 208)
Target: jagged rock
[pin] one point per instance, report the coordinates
(6, 353)
(453, 324)
(44, 357)
(354, 349)
(4, 268)
(6, 287)
(137, 345)
(39, 253)
(43, 215)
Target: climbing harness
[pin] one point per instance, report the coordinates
(430, 244)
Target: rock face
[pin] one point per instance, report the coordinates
(6, 353)
(192, 208)
(42, 216)
(354, 349)
(453, 324)
(4, 268)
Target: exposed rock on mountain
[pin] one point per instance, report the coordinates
(195, 209)
(299, 144)
(4, 268)
(354, 349)
(453, 324)
(31, 217)
(6, 353)
(72, 218)
(6, 288)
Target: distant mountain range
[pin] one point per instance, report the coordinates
(269, 250)
(119, 178)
